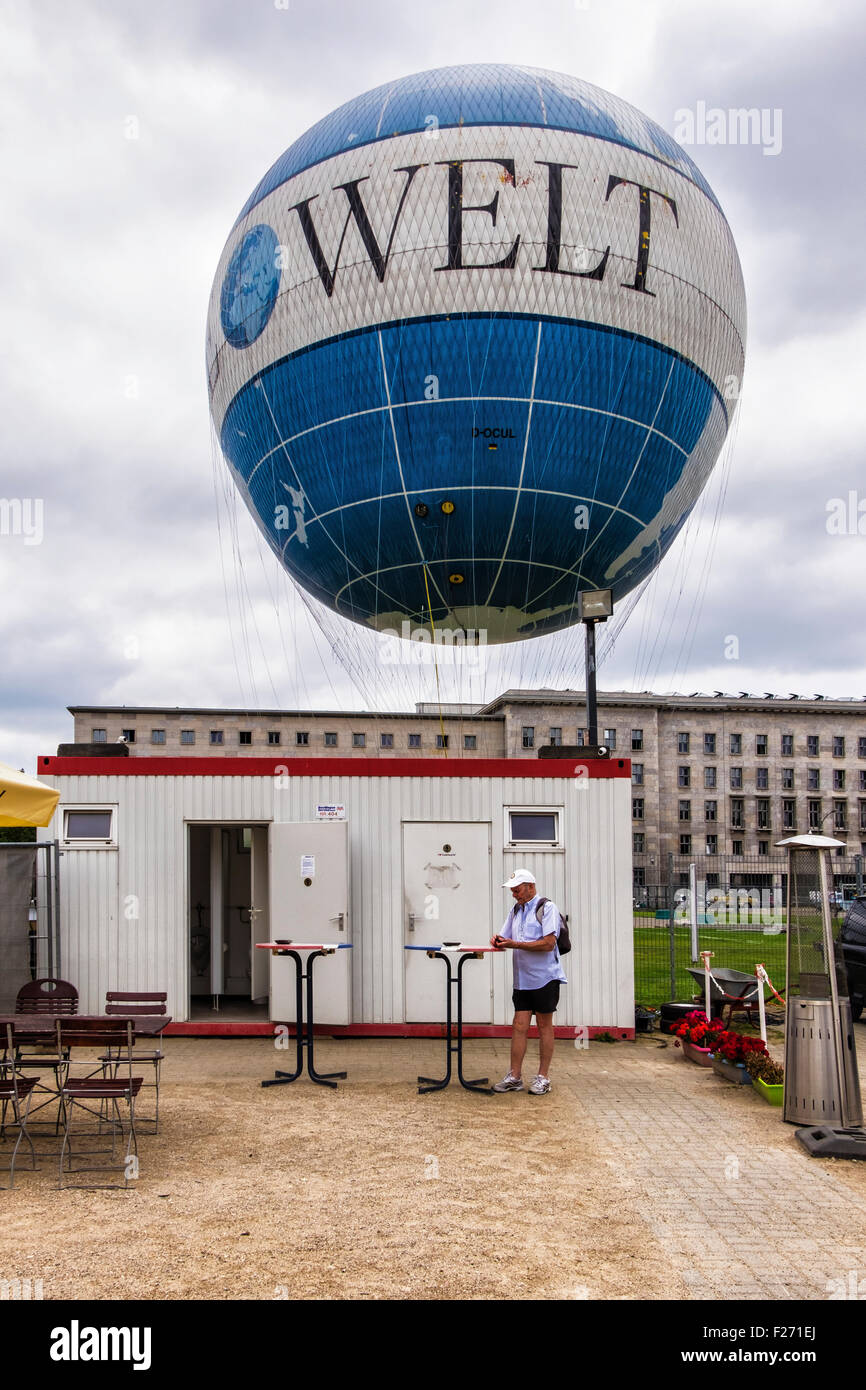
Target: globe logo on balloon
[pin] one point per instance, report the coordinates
(249, 288)
(474, 346)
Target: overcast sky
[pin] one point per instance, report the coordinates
(133, 133)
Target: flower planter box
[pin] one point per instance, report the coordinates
(773, 1095)
(731, 1071)
(701, 1055)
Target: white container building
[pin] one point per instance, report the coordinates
(172, 869)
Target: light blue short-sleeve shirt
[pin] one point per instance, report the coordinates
(533, 969)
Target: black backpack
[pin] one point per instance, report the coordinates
(563, 941)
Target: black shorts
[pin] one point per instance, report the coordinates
(538, 1001)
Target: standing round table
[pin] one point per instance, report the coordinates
(454, 1044)
(304, 1027)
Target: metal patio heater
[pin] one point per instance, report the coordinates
(822, 1085)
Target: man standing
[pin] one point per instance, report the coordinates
(538, 974)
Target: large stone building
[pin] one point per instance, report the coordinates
(714, 776)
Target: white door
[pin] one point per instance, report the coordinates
(260, 924)
(309, 902)
(446, 897)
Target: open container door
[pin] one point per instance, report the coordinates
(309, 901)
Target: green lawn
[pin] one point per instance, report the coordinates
(734, 950)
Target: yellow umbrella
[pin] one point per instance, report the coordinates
(24, 800)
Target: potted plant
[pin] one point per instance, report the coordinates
(729, 1059)
(768, 1077)
(697, 1034)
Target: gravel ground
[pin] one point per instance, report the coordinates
(367, 1192)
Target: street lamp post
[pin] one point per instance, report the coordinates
(593, 606)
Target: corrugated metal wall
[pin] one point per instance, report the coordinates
(125, 914)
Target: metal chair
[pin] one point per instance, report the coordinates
(45, 996)
(110, 1092)
(141, 1004)
(14, 1089)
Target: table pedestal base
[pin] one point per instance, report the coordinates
(454, 1045)
(304, 1030)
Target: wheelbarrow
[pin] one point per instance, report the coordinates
(731, 989)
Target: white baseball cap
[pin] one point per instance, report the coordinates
(519, 876)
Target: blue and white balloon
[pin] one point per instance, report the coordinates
(474, 344)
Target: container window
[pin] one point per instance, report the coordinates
(88, 825)
(533, 827)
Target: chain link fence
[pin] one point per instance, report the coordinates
(741, 902)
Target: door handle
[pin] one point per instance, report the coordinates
(339, 918)
(411, 921)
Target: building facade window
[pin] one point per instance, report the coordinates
(711, 810)
(685, 810)
(787, 745)
(762, 778)
(761, 745)
(712, 844)
(128, 735)
(610, 739)
(157, 735)
(414, 740)
(763, 846)
(736, 847)
(330, 738)
(528, 736)
(187, 736)
(683, 741)
(863, 781)
(638, 842)
(685, 844)
(637, 741)
(763, 813)
(470, 742)
(789, 815)
(710, 777)
(637, 808)
(813, 779)
(556, 736)
(359, 740)
(273, 738)
(582, 738)
(386, 740)
(216, 736)
(838, 746)
(838, 779)
(98, 736)
(861, 747)
(787, 779)
(736, 778)
(637, 774)
(862, 805)
(814, 808)
(840, 815)
(442, 740)
(736, 744)
(736, 813)
(684, 777)
(302, 738)
(710, 744)
(812, 745)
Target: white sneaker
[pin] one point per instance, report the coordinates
(509, 1083)
(540, 1086)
